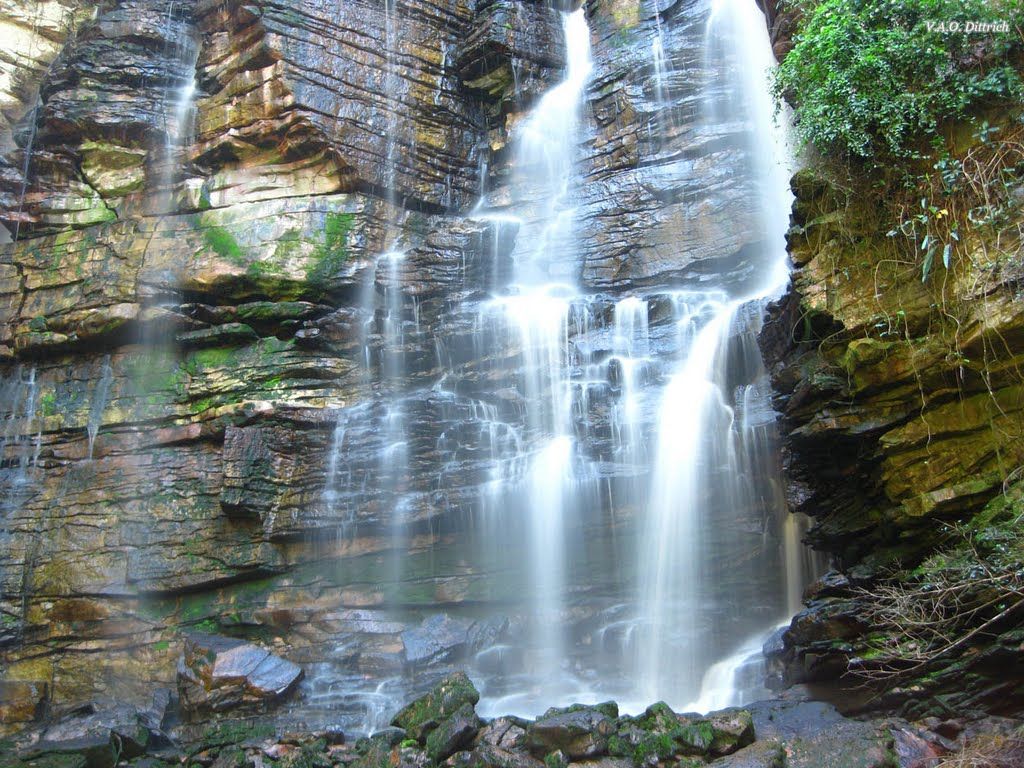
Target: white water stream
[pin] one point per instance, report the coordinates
(644, 416)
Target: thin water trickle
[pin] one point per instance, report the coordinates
(19, 448)
(181, 54)
(100, 395)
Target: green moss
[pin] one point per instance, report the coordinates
(231, 733)
(224, 244)
(48, 404)
(661, 745)
(422, 715)
(697, 737)
(331, 256)
(214, 357)
(273, 311)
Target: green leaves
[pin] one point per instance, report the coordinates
(869, 80)
(926, 267)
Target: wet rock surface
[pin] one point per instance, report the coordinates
(796, 733)
(216, 674)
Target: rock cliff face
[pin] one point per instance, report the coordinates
(193, 315)
(902, 408)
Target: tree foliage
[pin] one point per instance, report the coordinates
(876, 79)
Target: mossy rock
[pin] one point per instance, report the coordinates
(423, 715)
(609, 709)
(452, 734)
(662, 734)
(731, 730)
(234, 733)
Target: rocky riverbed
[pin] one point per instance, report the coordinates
(442, 728)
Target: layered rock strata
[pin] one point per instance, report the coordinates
(193, 321)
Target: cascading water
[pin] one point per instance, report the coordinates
(542, 482)
(616, 447)
(716, 430)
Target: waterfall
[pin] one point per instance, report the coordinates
(705, 454)
(619, 475)
(695, 433)
(541, 481)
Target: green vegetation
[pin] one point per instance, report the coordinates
(894, 95)
(224, 244)
(329, 258)
(48, 404)
(876, 80)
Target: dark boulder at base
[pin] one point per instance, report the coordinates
(579, 733)
(454, 733)
(98, 735)
(216, 674)
(817, 736)
(763, 754)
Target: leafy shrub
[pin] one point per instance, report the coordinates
(868, 79)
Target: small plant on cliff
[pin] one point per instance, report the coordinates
(974, 192)
(875, 80)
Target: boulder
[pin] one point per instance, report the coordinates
(662, 734)
(385, 737)
(733, 729)
(454, 733)
(579, 733)
(763, 754)
(218, 673)
(487, 756)
(504, 733)
(99, 733)
(424, 714)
